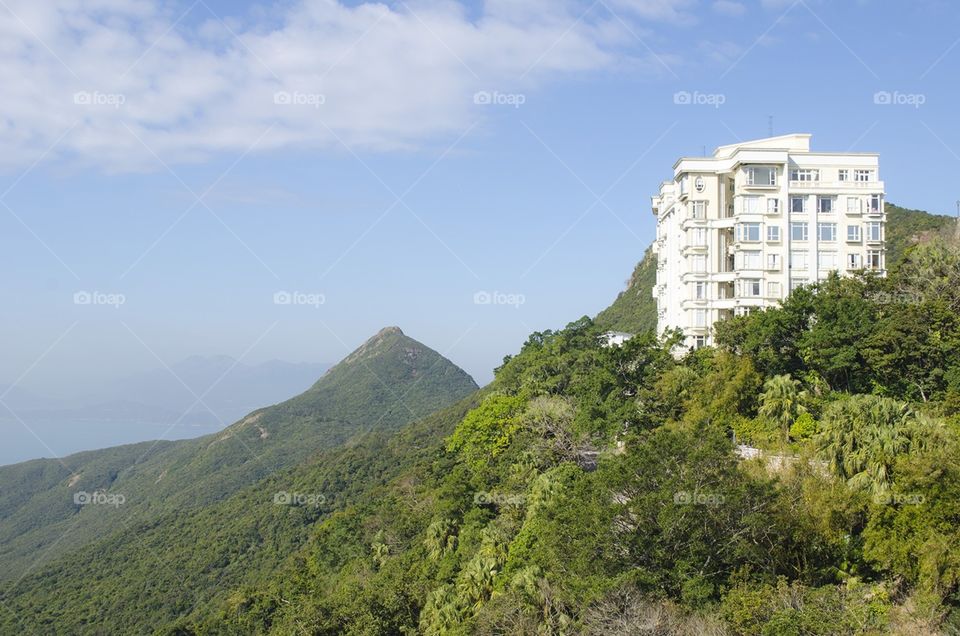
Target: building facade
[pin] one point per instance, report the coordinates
(741, 229)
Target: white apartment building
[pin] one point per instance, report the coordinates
(741, 229)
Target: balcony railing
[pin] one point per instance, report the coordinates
(865, 185)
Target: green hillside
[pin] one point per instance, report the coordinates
(594, 490)
(587, 490)
(185, 561)
(388, 382)
(635, 310)
(906, 227)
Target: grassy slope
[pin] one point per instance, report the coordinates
(388, 382)
(182, 563)
(635, 309)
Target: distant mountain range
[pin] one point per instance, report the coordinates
(388, 382)
(195, 396)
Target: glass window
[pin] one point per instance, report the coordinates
(863, 175)
(773, 262)
(799, 231)
(804, 175)
(827, 231)
(761, 176)
(773, 232)
(797, 283)
(827, 260)
(751, 205)
(875, 203)
(749, 231)
(853, 233)
(773, 289)
(874, 231)
(750, 288)
(853, 205)
(798, 205)
(698, 209)
(699, 263)
(798, 259)
(874, 259)
(699, 317)
(773, 206)
(751, 260)
(843, 175)
(853, 261)
(700, 291)
(825, 205)
(698, 236)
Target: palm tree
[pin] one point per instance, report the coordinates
(782, 401)
(476, 582)
(441, 538)
(441, 614)
(863, 435)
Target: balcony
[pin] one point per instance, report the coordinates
(725, 277)
(692, 276)
(692, 222)
(694, 303)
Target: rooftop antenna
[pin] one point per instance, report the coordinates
(705, 154)
(770, 125)
(956, 231)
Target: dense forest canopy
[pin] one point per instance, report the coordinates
(801, 477)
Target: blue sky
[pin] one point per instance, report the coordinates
(340, 153)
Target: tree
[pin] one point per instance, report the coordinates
(862, 436)
(782, 401)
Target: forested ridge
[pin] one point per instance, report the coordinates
(598, 490)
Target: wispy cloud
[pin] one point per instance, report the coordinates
(190, 84)
(729, 7)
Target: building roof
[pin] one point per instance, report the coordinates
(792, 143)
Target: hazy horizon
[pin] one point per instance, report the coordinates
(280, 182)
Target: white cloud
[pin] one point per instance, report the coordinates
(377, 77)
(778, 4)
(677, 11)
(729, 7)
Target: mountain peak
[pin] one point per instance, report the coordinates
(402, 377)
